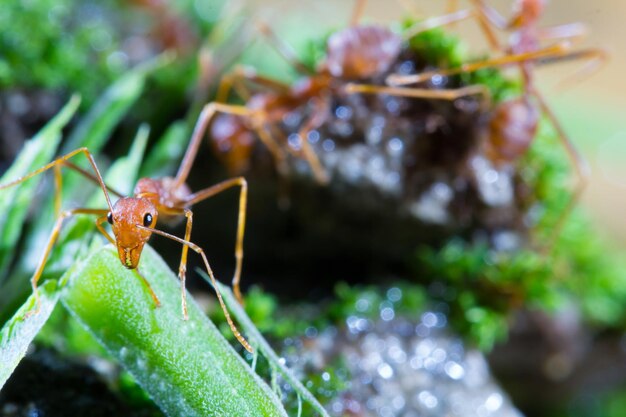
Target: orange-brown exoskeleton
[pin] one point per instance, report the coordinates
(514, 122)
(133, 219)
(354, 56)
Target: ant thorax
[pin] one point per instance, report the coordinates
(361, 52)
(163, 192)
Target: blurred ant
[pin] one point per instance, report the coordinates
(513, 124)
(354, 55)
(169, 29)
(133, 219)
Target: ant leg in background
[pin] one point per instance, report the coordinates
(450, 94)
(236, 81)
(318, 116)
(209, 110)
(559, 51)
(284, 49)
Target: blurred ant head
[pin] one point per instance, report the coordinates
(528, 11)
(361, 52)
(129, 220)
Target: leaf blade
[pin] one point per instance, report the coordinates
(188, 368)
(14, 201)
(17, 333)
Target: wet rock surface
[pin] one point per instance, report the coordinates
(402, 367)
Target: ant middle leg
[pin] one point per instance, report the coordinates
(241, 222)
(450, 94)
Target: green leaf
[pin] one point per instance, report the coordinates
(257, 340)
(187, 367)
(19, 331)
(14, 201)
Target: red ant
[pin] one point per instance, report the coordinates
(354, 54)
(171, 30)
(514, 122)
(133, 219)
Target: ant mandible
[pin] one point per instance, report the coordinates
(133, 219)
(354, 55)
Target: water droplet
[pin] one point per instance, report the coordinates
(387, 314)
(494, 402)
(313, 136)
(295, 141)
(454, 370)
(428, 399)
(362, 305)
(395, 146)
(385, 371)
(437, 80)
(343, 112)
(328, 145)
(394, 294)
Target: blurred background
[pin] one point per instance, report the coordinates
(593, 112)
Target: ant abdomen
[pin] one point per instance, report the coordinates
(512, 129)
(232, 142)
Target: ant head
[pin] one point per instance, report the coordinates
(361, 52)
(129, 218)
(529, 11)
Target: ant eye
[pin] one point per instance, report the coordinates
(147, 220)
(110, 218)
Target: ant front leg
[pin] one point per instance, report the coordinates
(554, 52)
(200, 251)
(63, 160)
(51, 241)
(241, 222)
(182, 268)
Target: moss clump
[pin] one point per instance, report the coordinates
(69, 38)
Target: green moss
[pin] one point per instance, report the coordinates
(67, 40)
(576, 266)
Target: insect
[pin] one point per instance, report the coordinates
(355, 55)
(513, 124)
(133, 219)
